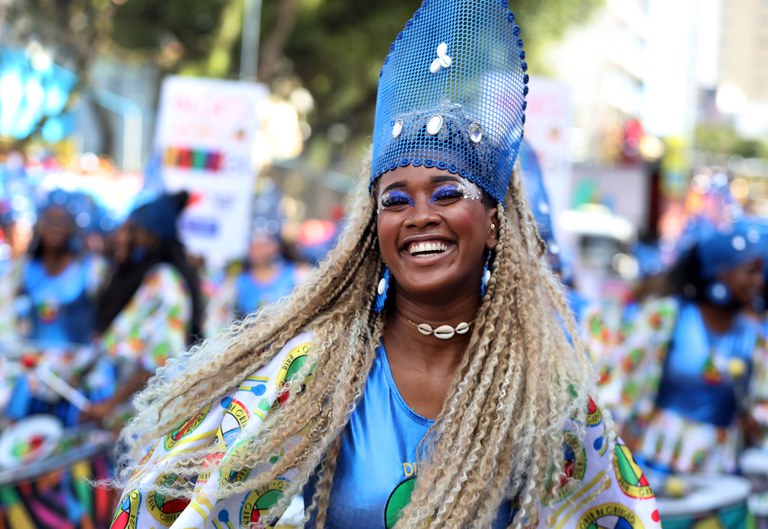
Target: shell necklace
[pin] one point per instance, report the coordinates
(444, 332)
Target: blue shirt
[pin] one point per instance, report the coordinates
(377, 465)
(696, 382)
(252, 294)
(61, 309)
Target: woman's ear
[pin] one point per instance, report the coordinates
(493, 229)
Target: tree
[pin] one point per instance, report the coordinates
(77, 32)
(332, 47)
(337, 48)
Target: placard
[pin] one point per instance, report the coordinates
(205, 134)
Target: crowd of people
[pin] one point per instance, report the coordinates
(137, 304)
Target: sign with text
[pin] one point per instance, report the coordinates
(205, 134)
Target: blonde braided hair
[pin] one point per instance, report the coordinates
(501, 431)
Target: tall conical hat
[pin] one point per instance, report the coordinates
(452, 94)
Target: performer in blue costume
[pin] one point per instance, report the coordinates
(268, 275)
(690, 383)
(423, 376)
(60, 282)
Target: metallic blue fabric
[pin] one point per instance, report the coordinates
(684, 387)
(61, 310)
(452, 94)
(376, 467)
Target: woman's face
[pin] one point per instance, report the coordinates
(434, 230)
(745, 282)
(264, 249)
(56, 228)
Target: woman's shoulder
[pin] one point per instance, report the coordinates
(658, 314)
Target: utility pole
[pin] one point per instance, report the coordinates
(249, 53)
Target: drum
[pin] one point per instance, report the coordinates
(704, 501)
(24, 391)
(47, 478)
(754, 466)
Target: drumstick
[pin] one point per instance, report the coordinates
(56, 383)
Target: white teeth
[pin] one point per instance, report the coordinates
(424, 247)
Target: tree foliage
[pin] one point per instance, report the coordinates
(334, 48)
(723, 140)
(338, 46)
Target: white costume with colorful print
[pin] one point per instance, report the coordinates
(154, 324)
(604, 490)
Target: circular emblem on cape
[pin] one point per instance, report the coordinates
(125, 517)
(139, 469)
(397, 501)
(594, 415)
(290, 367)
(610, 516)
(184, 429)
(164, 508)
(574, 467)
(257, 503)
(630, 476)
(230, 474)
(233, 421)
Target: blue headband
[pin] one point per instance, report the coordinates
(161, 215)
(721, 251)
(452, 94)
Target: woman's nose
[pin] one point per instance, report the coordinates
(423, 214)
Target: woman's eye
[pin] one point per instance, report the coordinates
(395, 198)
(447, 193)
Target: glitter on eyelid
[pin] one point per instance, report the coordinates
(388, 197)
(470, 190)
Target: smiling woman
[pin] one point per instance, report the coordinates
(423, 376)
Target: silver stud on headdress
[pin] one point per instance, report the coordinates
(739, 243)
(397, 128)
(434, 125)
(475, 132)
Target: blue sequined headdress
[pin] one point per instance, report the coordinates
(452, 94)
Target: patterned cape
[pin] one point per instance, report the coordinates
(154, 324)
(604, 490)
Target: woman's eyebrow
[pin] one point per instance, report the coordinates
(443, 178)
(394, 185)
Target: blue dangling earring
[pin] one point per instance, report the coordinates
(486, 276)
(381, 290)
(718, 293)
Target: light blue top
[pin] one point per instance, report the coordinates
(376, 468)
(696, 383)
(252, 295)
(61, 310)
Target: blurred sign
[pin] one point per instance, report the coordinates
(205, 136)
(547, 128)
